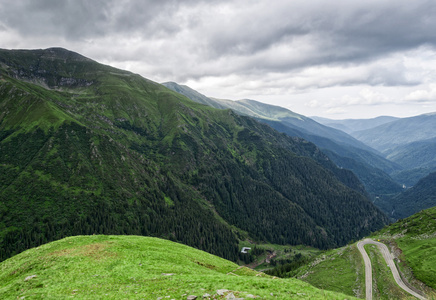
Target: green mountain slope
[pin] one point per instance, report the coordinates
(371, 168)
(421, 196)
(272, 113)
(132, 267)
(412, 241)
(86, 148)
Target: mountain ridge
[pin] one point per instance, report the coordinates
(124, 155)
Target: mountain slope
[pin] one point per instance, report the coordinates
(132, 267)
(370, 168)
(86, 148)
(268, 112)
(388, 136)
(352, 125)
(421, 196)
(412, 242)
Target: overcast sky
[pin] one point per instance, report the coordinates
(336, 59)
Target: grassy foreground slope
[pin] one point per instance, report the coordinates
(412, 242)
(133, 267)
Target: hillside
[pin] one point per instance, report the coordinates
(345, 151)
(272, 113)
(419, 197)
(415, 241)
(87, 148)
(115, 267)
(352, 125)
(412, 242)
(400, 132)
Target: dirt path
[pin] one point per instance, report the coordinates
(267, 259)
(390, 262)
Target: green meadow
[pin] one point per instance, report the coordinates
(133, 267)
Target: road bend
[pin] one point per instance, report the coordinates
(389, 261)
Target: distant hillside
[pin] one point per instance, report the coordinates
(87, 148)
(421, 196)
(352, 125)
(132, 267)
(401, 132)
(271, 113)
(371, 168)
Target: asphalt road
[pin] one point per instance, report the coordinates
(389, 261)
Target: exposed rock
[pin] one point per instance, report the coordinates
(191, 297)
(231, 296)
(29, 277)
(221, 292)
(206, 295)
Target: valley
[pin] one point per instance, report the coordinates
(131, 188)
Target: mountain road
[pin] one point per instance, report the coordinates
(390, 262)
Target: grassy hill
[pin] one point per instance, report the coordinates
(414, 238)
(86, 148)
(132, 267)
(411, 240)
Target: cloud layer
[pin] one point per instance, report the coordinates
(300, 54)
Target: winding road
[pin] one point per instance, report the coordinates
(390, 262)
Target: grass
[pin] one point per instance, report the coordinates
(133, 267)
(340, 270)
(413, 240)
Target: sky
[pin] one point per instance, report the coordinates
(330, 58)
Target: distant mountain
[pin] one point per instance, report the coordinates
(344, 150)
(385, 138)
(419, 197)
(271, 113)
(352, 125)
(417, 154)
(86, 148)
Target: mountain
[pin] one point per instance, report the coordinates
(417, 158)
(371, 168)
(86, 148)
(385, 138)
(271, 113)
(133, 267)
(352, 125)
(421, 196)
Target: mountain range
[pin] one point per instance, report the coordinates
(384, 173)
(344, 150)
(86, 148)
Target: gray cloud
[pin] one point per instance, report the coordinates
(268, 46)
